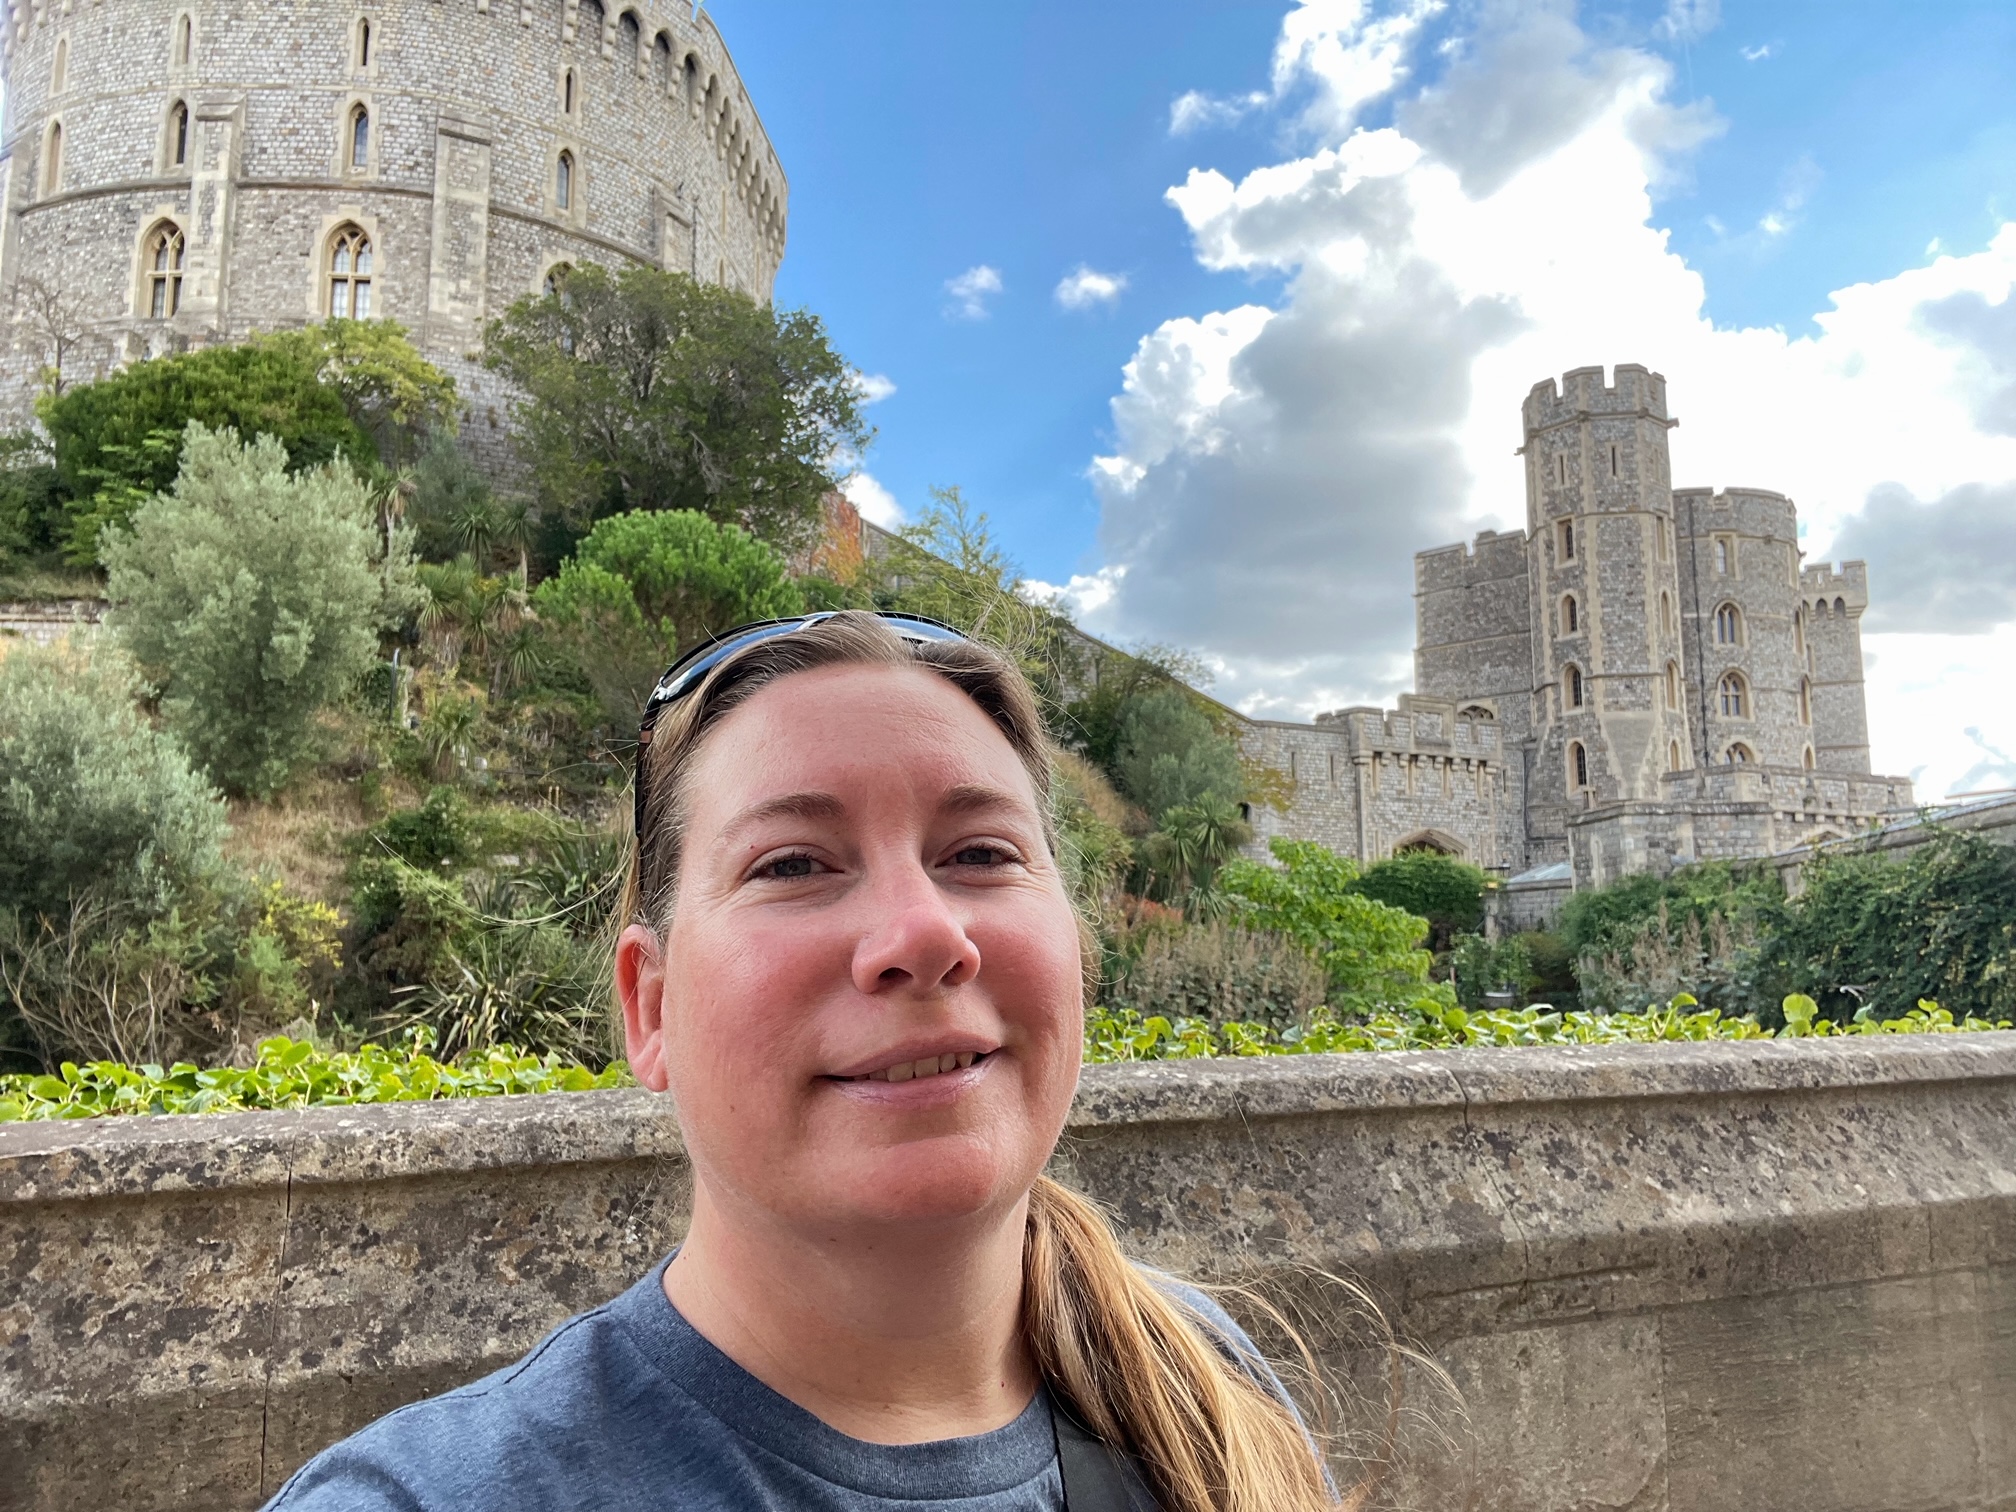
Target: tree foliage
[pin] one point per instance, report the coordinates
(644, 587)
(1171, 752)
(92, 798)
(1369, 949)
(251, 599)
(1448, 893)
(343, 388)
(647, 390)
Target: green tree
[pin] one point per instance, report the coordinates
(251, 599)
(337, 389)
(1172, 753)
(1369, 949)
(31, 509)
(93, 799)
(644, 587)
(647, 390)
(1448, 893)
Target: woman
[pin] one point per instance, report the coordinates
(852, 959)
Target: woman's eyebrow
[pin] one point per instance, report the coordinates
(808, 805)
(975, 797)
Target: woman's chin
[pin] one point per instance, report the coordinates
(921, 1181)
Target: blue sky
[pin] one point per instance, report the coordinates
(1373, 225)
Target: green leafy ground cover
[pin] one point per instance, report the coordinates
(296, 1074)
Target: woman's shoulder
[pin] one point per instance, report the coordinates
(551, 1430)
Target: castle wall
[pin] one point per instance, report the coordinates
(468, 104)
(1369, 781)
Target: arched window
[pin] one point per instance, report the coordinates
(1728, 626)
(185, 40)
(661, 62)
(1571, 686)
(556, 279)
(360, 139)
(1805, 701)
(1806, 758)
(175, 149)
(1722, 555)
(629, 39)
(1672, 685)
(1666, 614)
(563, 182)
(1840, 606)
(59, 71)
(591, 22)
(1739, 755)
(1820, 609)
(1476, 711)
(364, 42)
(1578, 766)
(1735, 697)
(1799, 630)
(52, 159)
(692, 81)
(1571, 615)
(350, 274)
(1673, 757)
(163, 253)
(568, 97)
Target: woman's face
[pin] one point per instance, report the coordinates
(869, 1009)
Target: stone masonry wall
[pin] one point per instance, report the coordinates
(1740, 1277)
(469, 110)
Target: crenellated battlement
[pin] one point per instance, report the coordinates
(1849, 583)
(1493, 555)
(1582, 393)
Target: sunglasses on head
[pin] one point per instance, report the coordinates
(687, 673)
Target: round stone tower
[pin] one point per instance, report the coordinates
(180, 172)
(1609, 715)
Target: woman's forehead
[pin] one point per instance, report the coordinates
(835, 729)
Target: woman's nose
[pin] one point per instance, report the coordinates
(914, 940)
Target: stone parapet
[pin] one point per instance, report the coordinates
(1663, 1276)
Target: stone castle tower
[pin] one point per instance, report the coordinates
(1642, 677)
(180, 172)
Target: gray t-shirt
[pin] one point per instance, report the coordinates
(628, 1409)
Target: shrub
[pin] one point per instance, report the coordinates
(1368, 949)
(1936, 922)
(436, 834)
(1091, 826)
(251, 600)
(1448, 893)
(1219, 973)
(1479, 967)
(92, 798)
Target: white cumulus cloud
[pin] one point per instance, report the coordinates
(1085, 287)
(1275, 467)
(971, 290)
(873, 387)
(875, 502)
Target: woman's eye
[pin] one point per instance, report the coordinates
(786, 868)
(982, 855)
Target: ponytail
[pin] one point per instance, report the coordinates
(1136, 1367)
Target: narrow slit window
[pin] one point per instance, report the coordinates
(1571, 616)
(360, 139)
(185, 30)
(1613, 461)
(1567, 540)
(59, 75)
(1578, 764)
(563, 182)
(364, 43)
(1572, 684)
(178, 136)
(567, 93)
(52, 164)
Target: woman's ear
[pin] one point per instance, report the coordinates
(640, 987)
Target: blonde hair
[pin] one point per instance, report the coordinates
(1118, 1351)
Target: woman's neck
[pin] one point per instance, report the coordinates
(902, 1338)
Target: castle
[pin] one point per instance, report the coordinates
(1642, 677)
(180, 172)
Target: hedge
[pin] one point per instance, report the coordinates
(296, 1074)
